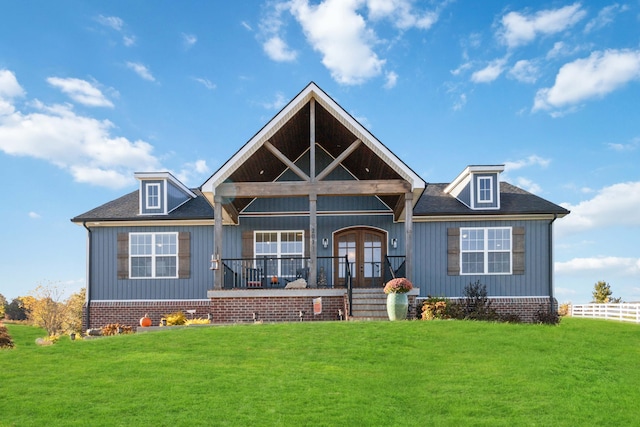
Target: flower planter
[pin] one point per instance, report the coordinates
(397, 306)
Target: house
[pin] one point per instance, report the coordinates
(314, 208)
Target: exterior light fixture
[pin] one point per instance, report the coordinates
(394, 243)
(325, 243)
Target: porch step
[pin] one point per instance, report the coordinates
(369, 304)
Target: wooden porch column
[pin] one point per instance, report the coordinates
(313, 198)
(313, 240)
(217, 240)
(408, 234)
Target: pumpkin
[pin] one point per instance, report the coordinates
(145, 321)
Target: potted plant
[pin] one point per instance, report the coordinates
(397, 300)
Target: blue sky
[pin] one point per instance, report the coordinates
(91, 92)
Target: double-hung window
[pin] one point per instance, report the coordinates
(485, 250)
(286, 248)
(153, 196)
(485, 189)
(153, 255)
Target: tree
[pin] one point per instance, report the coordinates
(3, 305)
(16, 310)
(602, 293)
(46, 309)
(73, 322)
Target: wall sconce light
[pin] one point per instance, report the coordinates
(325, 243)
(215, 263)
(394, 243)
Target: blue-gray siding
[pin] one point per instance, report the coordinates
(175, 197)
(143, 197)
(430, 262)
(106, 286)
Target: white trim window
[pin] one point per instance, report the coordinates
(485, 189)
(153, 196)
(282, 245)
(153, 255)
(486, 250)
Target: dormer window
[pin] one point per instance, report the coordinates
(153, 196)
(485, 189)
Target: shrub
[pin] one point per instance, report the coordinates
(544, 316)
(116, 328)
(476, 305)
(177, 318)
(434, 308)
(510, 318)
(563, 310)
(5, 339)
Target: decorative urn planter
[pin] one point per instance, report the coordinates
(145, 321)
(397, 299)
(397, 306)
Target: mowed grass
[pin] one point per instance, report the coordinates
(413, 373)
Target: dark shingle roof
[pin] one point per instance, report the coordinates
(513, 200)
(126, 208)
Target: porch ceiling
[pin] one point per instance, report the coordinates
(292, 140)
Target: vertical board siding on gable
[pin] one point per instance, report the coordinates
(175, 197)
(105, 284)
(325, 204)
(430, 265)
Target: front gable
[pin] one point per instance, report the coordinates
(286, 158)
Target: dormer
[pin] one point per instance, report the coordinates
(161, 193)
(478, 187)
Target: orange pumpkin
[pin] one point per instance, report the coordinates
(145, 321)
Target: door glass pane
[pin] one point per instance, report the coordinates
(346, 247)
(372, 256)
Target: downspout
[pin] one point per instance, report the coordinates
(88, 293)
(555, 216)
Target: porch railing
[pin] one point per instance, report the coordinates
(274, 272)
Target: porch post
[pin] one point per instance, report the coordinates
(313, 198)
(408, 234)
(313, 240)
(217, 240)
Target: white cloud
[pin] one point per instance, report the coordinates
(616, 205)
(189, 40)
(631, 146)
(490, 72)
(246, 25)
(528, 185)
(193, 171)
(392, 80)
(141, 70)
(605, 17)
(112, 22)
(9, 86)
(605, 264)
(117, 24)
(206, 83)
(401, 13)
(532, 160)
(81, 145)
(81, 91)
(525, 71)
(596, 76)
(277, 49)
(340, 34)
(338, 30)
(277, 103)
(460, 102)
(521, 28)
(34, 215)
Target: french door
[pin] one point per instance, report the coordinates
(365, 249)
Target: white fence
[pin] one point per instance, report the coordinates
(622, 312)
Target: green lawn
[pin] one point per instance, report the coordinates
(449, 373)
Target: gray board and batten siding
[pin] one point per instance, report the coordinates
(431, 250)
(106, 285)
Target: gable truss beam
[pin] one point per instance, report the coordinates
(338, 160)
(320, 188)
(284, 159)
